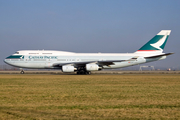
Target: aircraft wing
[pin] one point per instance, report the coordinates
(109, 62)
(88, 62)
(72, 63)
(102, 63)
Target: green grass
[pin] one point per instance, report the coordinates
(90, 96)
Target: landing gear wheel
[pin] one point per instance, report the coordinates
(88, 73)
(22, 72)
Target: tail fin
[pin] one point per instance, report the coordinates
(157, 43)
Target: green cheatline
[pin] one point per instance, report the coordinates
(15, 57)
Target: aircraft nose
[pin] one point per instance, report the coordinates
(5, 60)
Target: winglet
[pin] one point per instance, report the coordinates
(157, 43)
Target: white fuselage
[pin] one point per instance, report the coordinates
(46, 59)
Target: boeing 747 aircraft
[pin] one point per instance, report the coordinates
(84, 63)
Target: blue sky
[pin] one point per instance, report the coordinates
(107, 26)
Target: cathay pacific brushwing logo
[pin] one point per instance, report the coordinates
(22, 57)
(158, 44)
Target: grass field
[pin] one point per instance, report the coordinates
(51, 96)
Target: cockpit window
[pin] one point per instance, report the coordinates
(16, 52)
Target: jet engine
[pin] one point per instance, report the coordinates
(68, 68)
(92, 67)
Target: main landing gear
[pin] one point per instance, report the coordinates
(82, 71)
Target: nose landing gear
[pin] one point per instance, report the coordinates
(22, 71)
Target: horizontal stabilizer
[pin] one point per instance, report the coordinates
(156, 56)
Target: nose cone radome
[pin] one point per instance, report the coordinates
(5, 60)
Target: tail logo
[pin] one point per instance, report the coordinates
(158, 44)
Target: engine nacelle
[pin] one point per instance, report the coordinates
(92, 67)
(68, 68)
